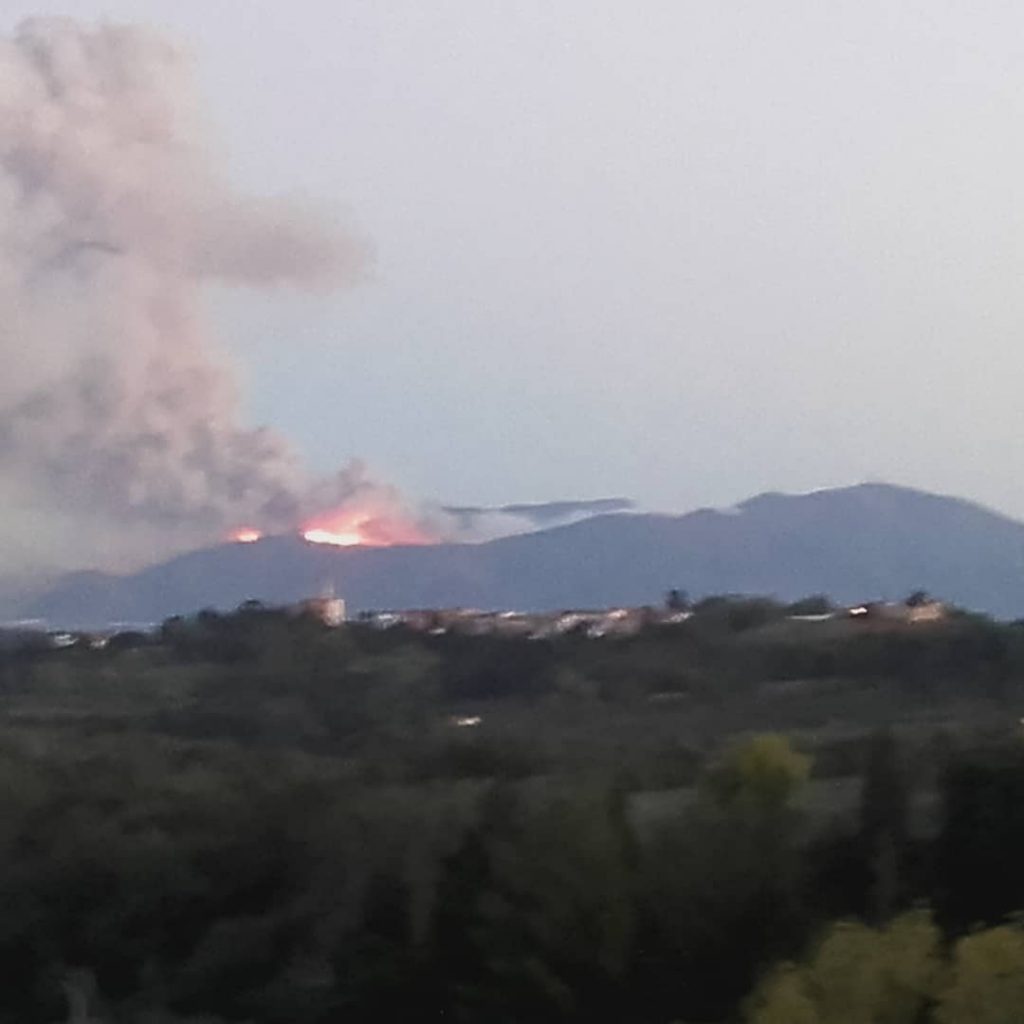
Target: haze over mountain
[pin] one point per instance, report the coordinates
(474, 520)
(856, 543)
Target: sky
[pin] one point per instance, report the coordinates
(683, 252)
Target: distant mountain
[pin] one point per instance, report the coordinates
(855, 543)
(18, 589)
(477, 523)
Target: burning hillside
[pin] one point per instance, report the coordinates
(356, 525)
(350, 530)
(114, 220)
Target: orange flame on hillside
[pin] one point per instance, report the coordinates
(345, 539)
(354, 527)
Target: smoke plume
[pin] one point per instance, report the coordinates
(112, 220)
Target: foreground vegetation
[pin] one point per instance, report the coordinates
(257, 818)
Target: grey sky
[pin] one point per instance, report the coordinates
(676, 250)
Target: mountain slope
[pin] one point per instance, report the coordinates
(854, 543)
(536, 515)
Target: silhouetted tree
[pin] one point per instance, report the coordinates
(884, 815)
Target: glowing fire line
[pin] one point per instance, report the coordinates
(350, 529)
(346, 539)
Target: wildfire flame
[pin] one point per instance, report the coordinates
(347, 539)
(353, 527)
(350, 528)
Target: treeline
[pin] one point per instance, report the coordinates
(147, 882)
(648, 707)
(727, 644)
(255, 818)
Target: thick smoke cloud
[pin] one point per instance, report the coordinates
(112, 221)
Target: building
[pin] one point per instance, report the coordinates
(329, 610)
(925, 610)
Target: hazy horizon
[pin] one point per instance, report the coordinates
(681, 253)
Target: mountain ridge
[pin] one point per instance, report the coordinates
(866, 541)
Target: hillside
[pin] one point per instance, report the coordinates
(855, 543)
